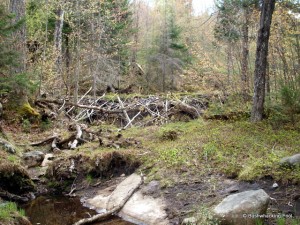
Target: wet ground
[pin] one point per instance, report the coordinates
(185, 199)
(46, 210)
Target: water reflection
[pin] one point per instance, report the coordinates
(61, 211)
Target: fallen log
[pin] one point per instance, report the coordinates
(104, 216)
(100, 109)
(46, 141)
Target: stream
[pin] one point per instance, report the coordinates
(49, 210)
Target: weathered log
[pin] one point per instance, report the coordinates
(109, 213)
(187, 109)
(46, 141)
(100, 109)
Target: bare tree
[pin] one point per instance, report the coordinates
(261, 60)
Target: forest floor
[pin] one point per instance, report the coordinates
(197, 162)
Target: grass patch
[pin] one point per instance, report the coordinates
(235, 148)
(9, 210)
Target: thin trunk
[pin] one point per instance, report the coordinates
(77, 69)
(58, 43)
(261, 60)
(245, 53)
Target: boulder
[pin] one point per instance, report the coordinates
(34, 158)
(6, 146)
(143, 209)
(242, 208)
(291, 161)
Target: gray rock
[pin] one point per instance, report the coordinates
(6, 146)
(152, 188)
(140, 208)
(190, 221)
(34, 158)
(291, 160)
(242, 208)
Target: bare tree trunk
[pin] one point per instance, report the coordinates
(261, 60)
(77, 69)
(245, 53)
(58, 43)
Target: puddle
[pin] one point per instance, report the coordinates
(46, 210)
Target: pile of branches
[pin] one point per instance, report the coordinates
(135, 111)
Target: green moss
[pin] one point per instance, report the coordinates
(235, 148)
(28, 112)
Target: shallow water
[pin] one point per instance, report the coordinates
(61, 211)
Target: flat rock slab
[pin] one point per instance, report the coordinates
(140, 208)
(145, 209)
(291, 160)
(241, 208)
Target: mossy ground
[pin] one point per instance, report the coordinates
(234, 148)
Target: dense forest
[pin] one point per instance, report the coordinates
(199, 105)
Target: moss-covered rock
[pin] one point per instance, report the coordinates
(28, 112)
(15, 178)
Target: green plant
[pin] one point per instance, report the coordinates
(204, 216)
(168, 134)
(46, 125)
(281, 221)
(89, 178)
(26, 125)
(8, 209)
(209, 149)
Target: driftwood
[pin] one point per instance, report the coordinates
(111, 212)
(46, 141)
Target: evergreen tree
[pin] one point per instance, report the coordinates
(117, 24)
(169, 55)
(8, 57)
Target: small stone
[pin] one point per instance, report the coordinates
(190, 221)
(275, 185)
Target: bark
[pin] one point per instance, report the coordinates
(245, 52)
(58, 41)
(261, 60)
